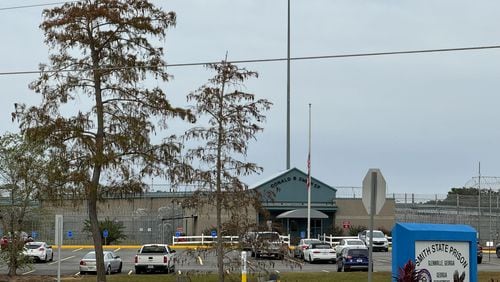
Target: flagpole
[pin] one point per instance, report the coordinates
(309, 180)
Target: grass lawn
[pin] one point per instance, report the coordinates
(288, 277)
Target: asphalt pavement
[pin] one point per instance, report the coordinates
(205, 261)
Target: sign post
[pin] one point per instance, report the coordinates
(373, 198)
(243, 266)
(58, 241)
(105, 234)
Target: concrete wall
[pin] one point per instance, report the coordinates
(151, 208)
(154, 208)
(354, 212)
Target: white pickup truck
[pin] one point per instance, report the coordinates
(155, 257)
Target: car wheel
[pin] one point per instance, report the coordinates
(339, 268)
(172, 269)
(346, 269)
(119, 268)
(108, 270)
(310, 259)
(45, 258)
(498, 253)
(83, 272)
(137, 271)
(479, 260)
(52, 257)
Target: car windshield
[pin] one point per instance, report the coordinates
(89, 256)
(376, 234)
(358, 252)
(269, 236)
(33, 246)
(321, 246)
(355, 243)
(308, 241)
(153, 249)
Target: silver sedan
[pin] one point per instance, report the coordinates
(112, 263)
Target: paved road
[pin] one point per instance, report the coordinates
(205, 261)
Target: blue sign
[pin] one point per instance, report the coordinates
(33, 234)
(70, 234)
(437, 250)
(177, 233)
(214, 233)
(302, 234)
(105, 233)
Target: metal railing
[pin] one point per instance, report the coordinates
(210, 240)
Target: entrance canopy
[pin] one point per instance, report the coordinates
(302, 213)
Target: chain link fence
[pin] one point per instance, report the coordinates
(481, 212)
(161, 224)
(140, 226)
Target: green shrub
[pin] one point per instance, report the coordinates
(115, 230)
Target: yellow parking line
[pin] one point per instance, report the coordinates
(77, 250)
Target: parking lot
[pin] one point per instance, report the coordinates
(205, 261)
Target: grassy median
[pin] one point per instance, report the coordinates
(284, 277)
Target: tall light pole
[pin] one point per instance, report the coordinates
(288, 92)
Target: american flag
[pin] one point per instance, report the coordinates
(308, 183)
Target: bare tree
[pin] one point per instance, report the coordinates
(23, 166)
(234, 118)
(97, 112)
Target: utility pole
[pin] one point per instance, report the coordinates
(288, 92)
(479, 205)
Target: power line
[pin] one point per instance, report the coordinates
(36, 5)
(340, 56)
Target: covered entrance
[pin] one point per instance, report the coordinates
(285, 197)
(293, 219)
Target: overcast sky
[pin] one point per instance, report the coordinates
(426, 120)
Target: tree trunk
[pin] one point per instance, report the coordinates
(99, 156)
(218, 184)
(11, 246)
(96, 234)
(220, 249)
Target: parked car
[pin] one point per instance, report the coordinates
(350, 259)
(112, 263)
(380, 242)
(320, 252)
(498, 250)
(155, 257)
(269, 244)
(351, 243)
(39, 251)
(303, 244)
(480, 253)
